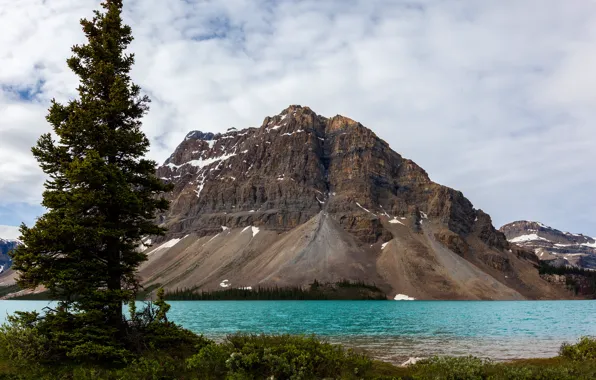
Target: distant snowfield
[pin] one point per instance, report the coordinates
(395, 221)
(525, 238)
(403, 297)
(9, 232)
(167, 245)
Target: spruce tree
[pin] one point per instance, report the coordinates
(101, 194)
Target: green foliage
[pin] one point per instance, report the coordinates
(447, 368)
(149, 330)
(583, 350)
(546, 268)
(358, 285)
(211, 361)
(60, 336)
(160, 367)
(162, 306)
(279, 357)
(20, 340)
(291, 357)
(579, 280)
(101, 196)
(343, 290)
(470, 368)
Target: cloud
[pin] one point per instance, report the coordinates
(9, 232)
(493, 98)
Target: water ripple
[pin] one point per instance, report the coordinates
(395, 330)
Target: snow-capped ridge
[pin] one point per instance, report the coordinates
(552, 245)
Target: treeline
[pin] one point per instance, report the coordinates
(351, 284)
(546, 268)
(343, 290)
(8, 289)
(579, 280)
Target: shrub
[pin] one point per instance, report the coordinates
(471, 368)
(20, 340)
(210, 361)
(585, 349)
(65, 337)
(450, 368)
(281, 357)
(150, 330)
(560, 372)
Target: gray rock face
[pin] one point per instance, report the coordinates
(297, 164)
(305, 197)
(549, 244)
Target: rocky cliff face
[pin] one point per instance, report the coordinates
(549, 244)
(297, 164)
(304, 196)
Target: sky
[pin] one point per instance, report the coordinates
(495, 98)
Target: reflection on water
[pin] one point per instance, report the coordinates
(391, 330)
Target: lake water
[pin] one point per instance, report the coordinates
(392, 330)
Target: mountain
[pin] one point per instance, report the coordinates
(8, 241)
(305, 197)
(549, 244)
(5, 247)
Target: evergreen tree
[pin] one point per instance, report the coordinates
(101, 195)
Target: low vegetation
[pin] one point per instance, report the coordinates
(166, 351)
(343, 290)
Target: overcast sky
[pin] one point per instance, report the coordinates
(495, 98)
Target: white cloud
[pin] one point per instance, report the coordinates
(9, 232)
(493, 98)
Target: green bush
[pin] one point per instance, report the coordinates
(583, 350)
(20, 340)
(470, 368)
(248, 357)
(449, 368)
(280, 357)
(65, 337)
(210, 361)
(58, 336)
(561, 372)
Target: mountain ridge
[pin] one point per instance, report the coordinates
(6, 245)
(553, 245)
(241, 198)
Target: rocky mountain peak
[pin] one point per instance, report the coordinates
(198, 135)
(298, 164)
(304, 197)
(550, 244)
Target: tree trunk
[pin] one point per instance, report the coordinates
(114, 306)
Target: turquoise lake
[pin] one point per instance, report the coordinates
(392, 330)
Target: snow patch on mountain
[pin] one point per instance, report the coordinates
(550, 244)
(403, 297)
(201, 163)
(524, 238)
(395, 221)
